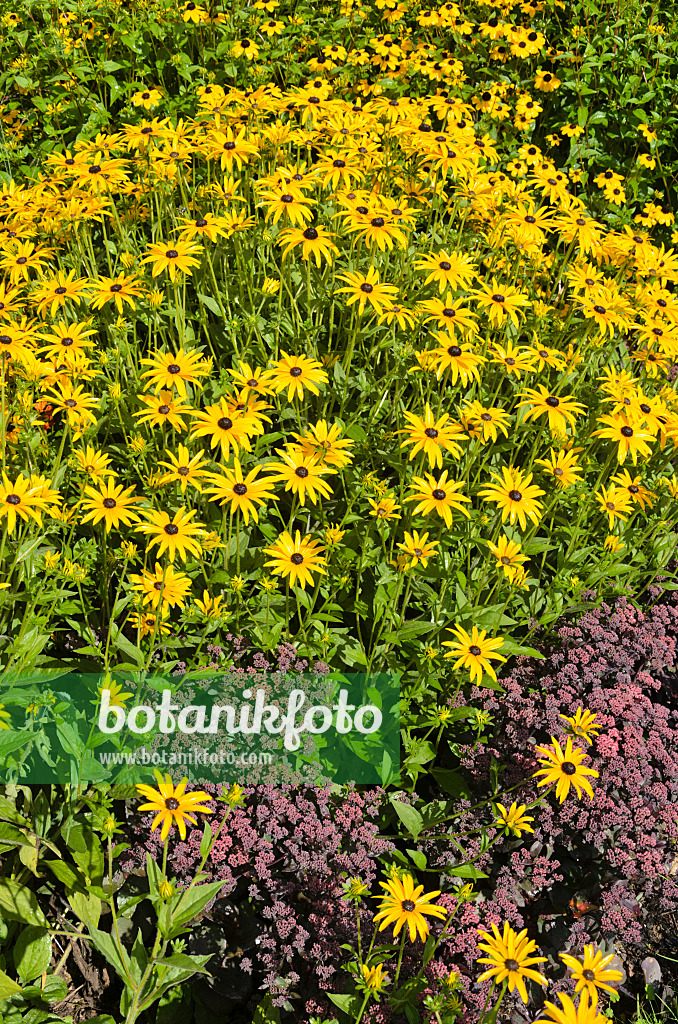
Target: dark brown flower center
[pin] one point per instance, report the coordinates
(569, 768)
(109, 502)
(240, 489)
(296, 558)
(626, 432)
(171, 529)
(438, 493)
(552, 401)
(224, 423)
(171, 803)
(515, 495)
(301, 472)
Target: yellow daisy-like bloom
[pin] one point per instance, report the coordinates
(562, 466)
(582, 724)
(515, 360)
(365, 289)
(571, 1014)
(295, 373)
(374, 979)
(448, 270)
(473, 651)
(513, 820)
(565, 769)
(21, 499)
(165, 587)
(241, 491)
(173, 257)
(174, 370)
(431, 436)
(460, 360)
(560, 411)
(510, 959)
(117, 695)
(592, 972)
(163, 408)
(118, 289)
(183, 469)
(438, 495)
(631, 439)
(325, 444)
(384, 509)
(296, 559)
(406, 904)
(173, 805)
(616, 504)
(225, 427)
(501, 302)
(417, 549)
(634, 488)
(302, 474)
(508, 554)
(175, 535)
(110, 504)
(515, 495)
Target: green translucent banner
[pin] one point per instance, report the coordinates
(220, 727)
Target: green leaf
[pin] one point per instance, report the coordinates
(410, 817)
(7, 986)
(11, 741)
(211, 304)
(510, 647)
(452, 782)
(32, 953)
(20, 903)
(118, 958)
(186, 962)
(465, 871)
(348, 1003)
(195, 902)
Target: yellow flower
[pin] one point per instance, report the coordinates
(509, 957)
(564, 768)
(513, 820)
(473, 651)
(582, 724)
(173, 805)
(407, 905)
(592, 972)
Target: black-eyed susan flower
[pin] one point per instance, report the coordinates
(296, 559)
(164, 588)
(559, 410)
(173, 257)
(500, 302)
(513, 820)
(562, 466)
(110, 504)
(592, 972)
(387, 508)
(450, 313)
(326, 444)
(243, 493)
(54, 293)
(616, 504)
(294, 373)
(315, 241)
(447, 270)
(582, 724)
(365, 288)
(510, 958)
(302, 474)
(165, 407)
(568, 1013)
(120, 289)
(564, 768)
(432, 436)
(21, 499)
(515, 496)
(65, 339)
(417, 549)
(484, 422)
(174, 370)
(407, 904)
(439, 496)
(184, 469)
(508, 554)
(635, 488)
(174, 806)
(474, 651)
(459, 359)
(515, 360)
(224, 427)
(631, 439)
(176, 534)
